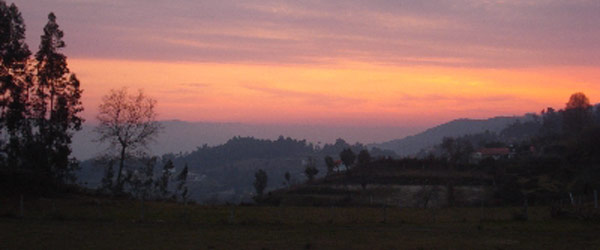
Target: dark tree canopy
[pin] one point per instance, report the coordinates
(15, 79)
(287, 177)
(578, 101)
(162, 185)
(552, 122)
(457, 150)
(330, 163)
(57, 100)
(348, 157)
(310, 169)
(39, 100)
(578, 113)
(260, 182)
(14, 52)
(182, 189)
(364, 157)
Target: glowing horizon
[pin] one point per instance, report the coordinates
(351, 63)
(346, 94)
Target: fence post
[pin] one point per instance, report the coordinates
(142, 209)
(481, 211)
(332, 214)
(385, 212)
(21, 207)
(596, 199)
(526, 209)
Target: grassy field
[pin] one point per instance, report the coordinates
(94, 223)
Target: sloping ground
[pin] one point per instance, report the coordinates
(411, 145)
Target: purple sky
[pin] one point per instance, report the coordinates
(462, 33)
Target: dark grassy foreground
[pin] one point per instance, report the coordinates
(95, 223)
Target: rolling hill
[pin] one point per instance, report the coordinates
(411, 145)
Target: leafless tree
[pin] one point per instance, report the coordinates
(128, 123)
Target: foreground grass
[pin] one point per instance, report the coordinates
(90, 223)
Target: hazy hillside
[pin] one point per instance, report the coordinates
(181, 136)
(226, 172)
(413, 144)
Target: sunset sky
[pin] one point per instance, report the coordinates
(358, 63)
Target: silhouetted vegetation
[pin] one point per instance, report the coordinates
(260, 182)
(39, 106)
(348, 157)
(544, 159)
(310, 169)
(364, 157)
(547, 157)
(182, 188)
(330, 163)
(162, 185)
(550, 159)
(128, 123)
(226, 172)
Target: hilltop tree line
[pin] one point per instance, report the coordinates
(549, 154)
(241, 164)
(543, 159)
(567, 133)
(40, 102)
(347, 157)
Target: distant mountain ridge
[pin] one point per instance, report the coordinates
(183, 136)
(411, 145)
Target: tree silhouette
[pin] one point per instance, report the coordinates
(40, 104)
(287, 177)
(330, 163)
(182, 188)
(162, 184)
(39, 101)
(577, 114)
(15, 79)
(578, 100)
(127, 122)
(56, 103)
(364, 157)
(552, 122)
(311, 169)
(457, 150)
(141, 179)
(260, 182)
(109, 172)
(348, 157)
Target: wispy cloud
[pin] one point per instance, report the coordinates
(465, 33)
(196, 85)
(309, 98)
